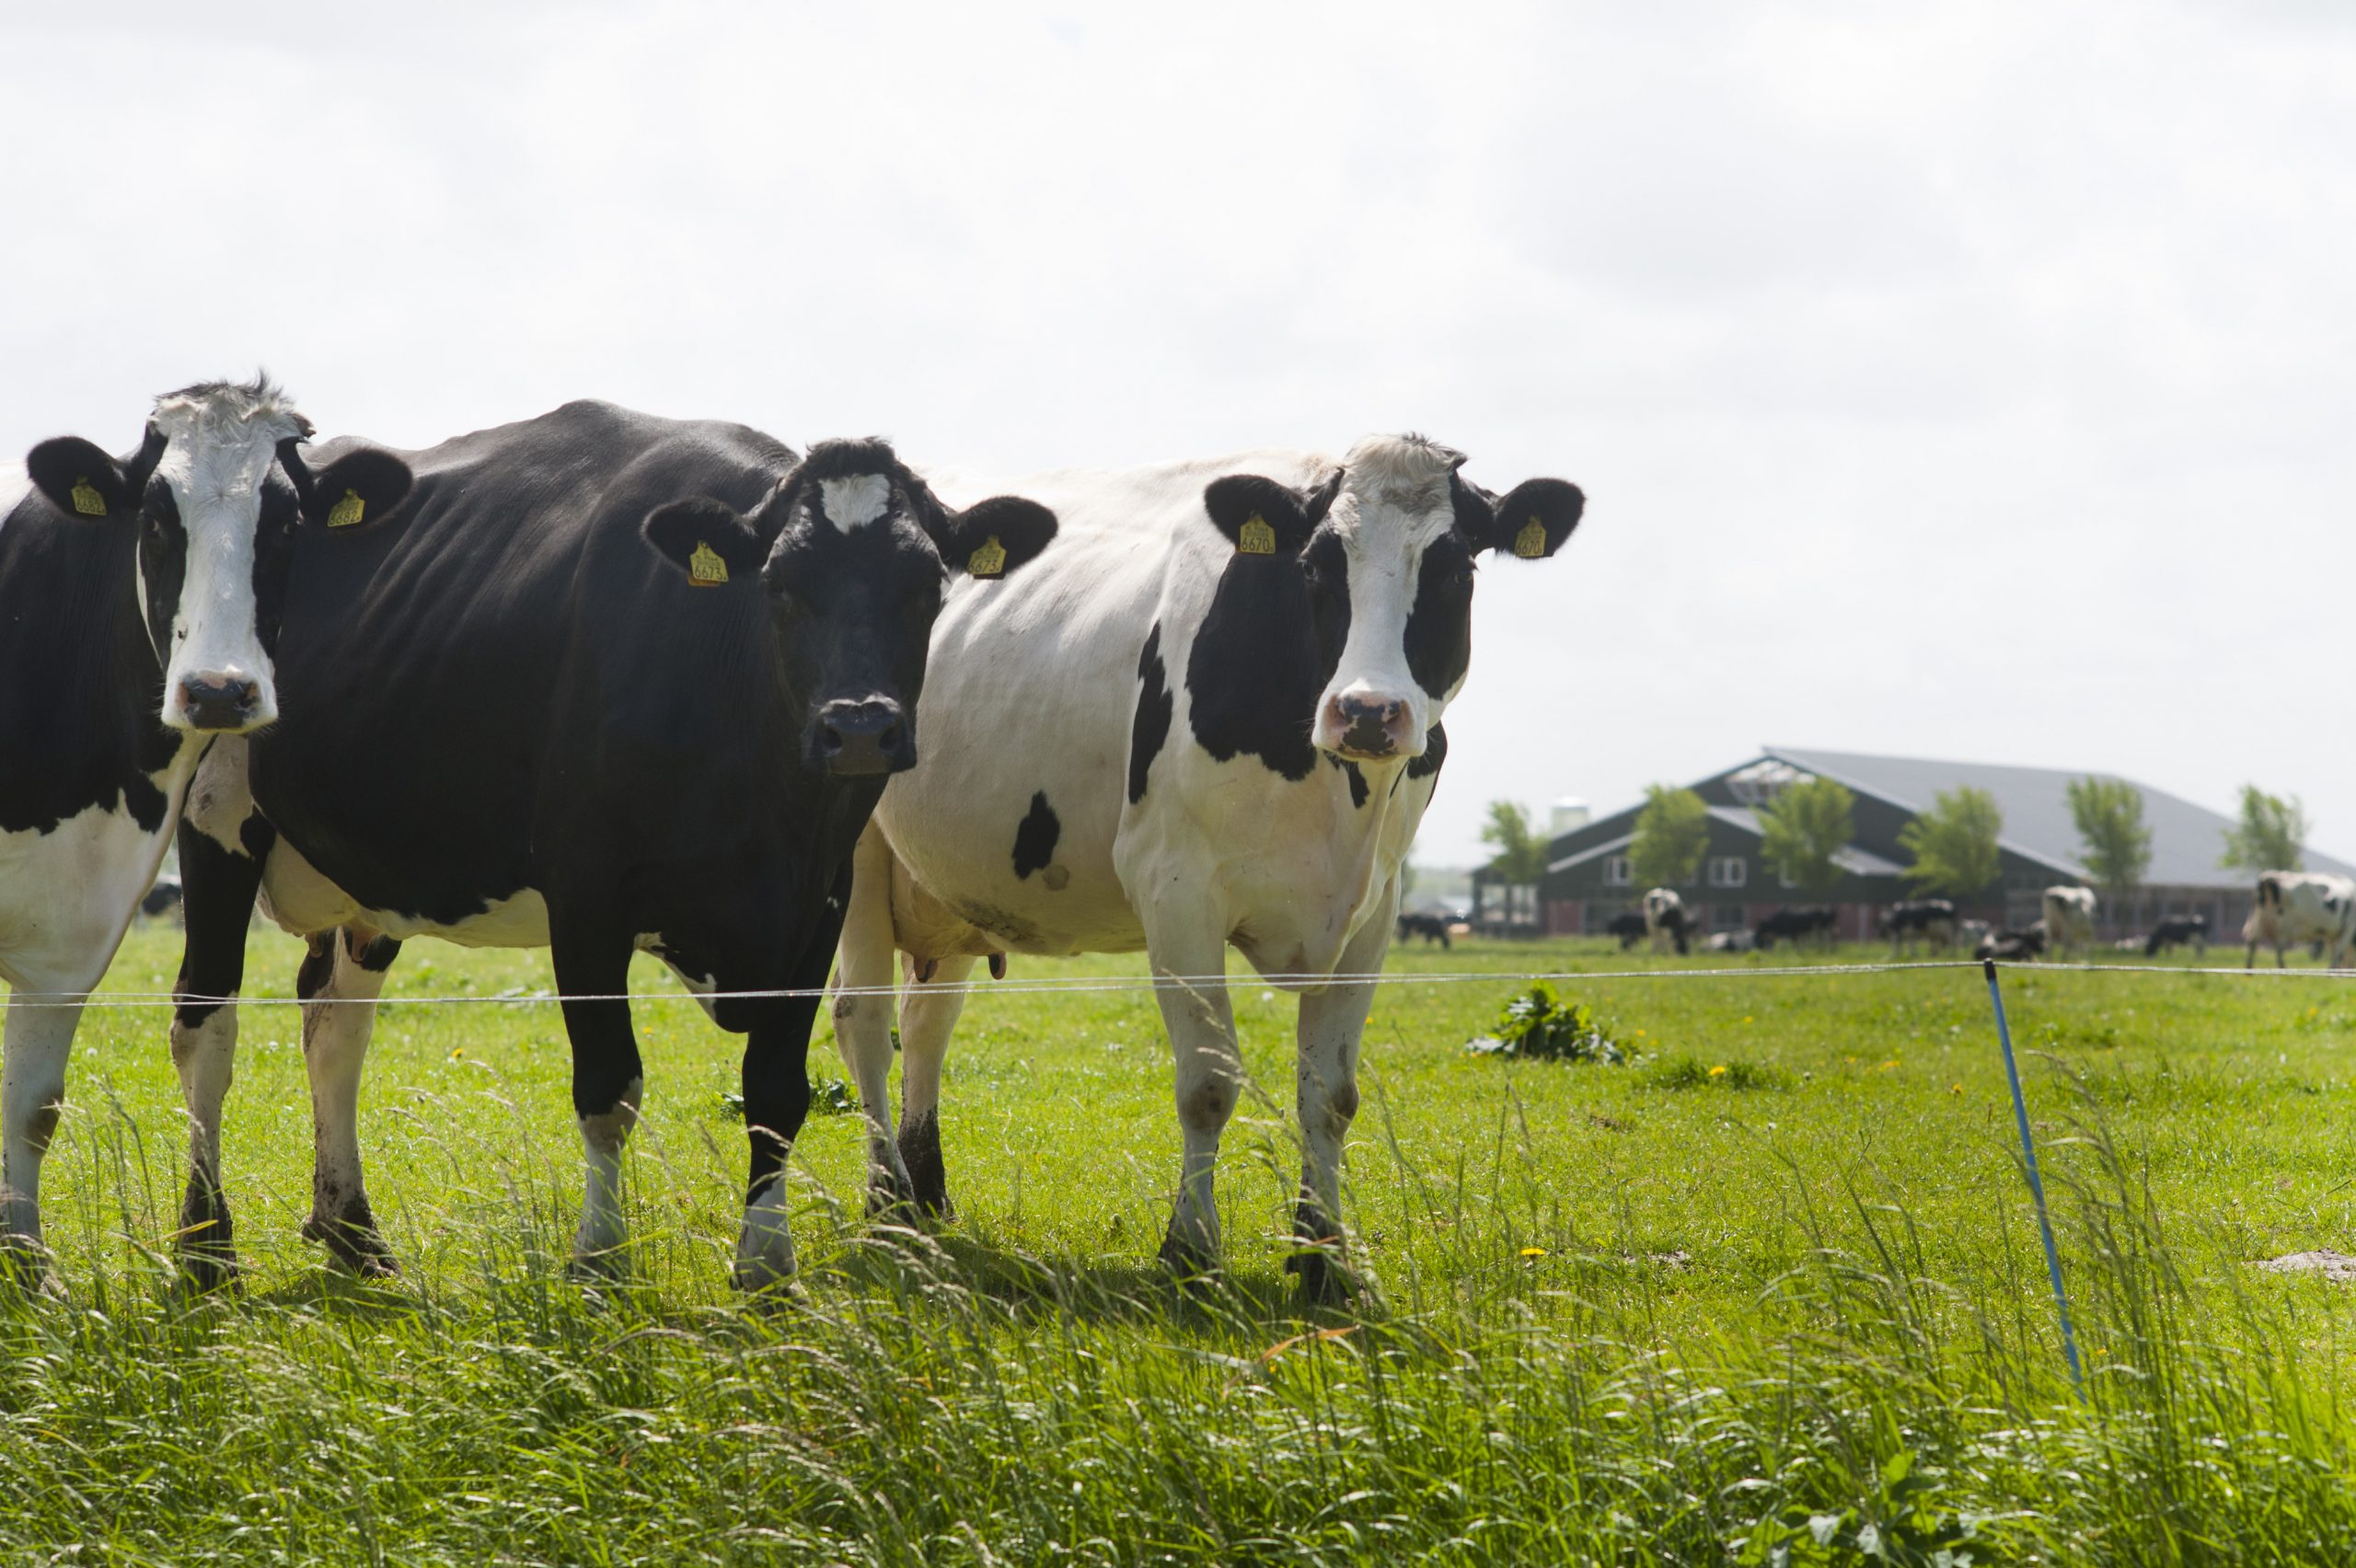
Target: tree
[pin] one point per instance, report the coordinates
(2270, 836)
(1521, 853)
(2117, 847)
(1802, 828)
(1954, 843)
(1672, 834)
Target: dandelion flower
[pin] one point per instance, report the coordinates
(1955, 1089)
(1533, 1251)
(460, 1054)
(1717, 1072)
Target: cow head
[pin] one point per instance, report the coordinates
(213, 521)
(853, 552)
(1385, 549)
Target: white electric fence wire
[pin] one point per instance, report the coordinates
(1106, 984)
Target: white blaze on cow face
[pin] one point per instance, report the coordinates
(1394, 502)
(854, 501)
(223, 444)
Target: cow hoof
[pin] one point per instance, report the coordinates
(208, 1266)
(1192, 1264)
(1326, 1278)
(763, 1276)
(354, 1244)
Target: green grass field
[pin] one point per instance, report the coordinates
(1795, 1311)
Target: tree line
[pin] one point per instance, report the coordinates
(1955, 847)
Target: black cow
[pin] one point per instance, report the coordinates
(2179, 929)
(1797, 926)
(1629, 927)
(138, 606)
(1431, 927)
(1925, 919)
(606, 683)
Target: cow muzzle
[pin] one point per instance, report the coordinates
(221, 703)
(854, 738)
(1367, 727)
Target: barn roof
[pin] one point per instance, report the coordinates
(2186, 839)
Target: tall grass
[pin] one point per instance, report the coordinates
(1506, 1397)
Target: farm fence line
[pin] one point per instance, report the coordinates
(1099, 984)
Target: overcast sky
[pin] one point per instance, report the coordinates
(1965, 383)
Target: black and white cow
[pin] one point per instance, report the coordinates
(1211, 716)
(1665, 920)
(2069, 918)
(1797, 925)
(1431, 927)
(2012, 947)
(2302, 907)
(2177, 930)
(606, 683)
(139, 599)
(1924, 919)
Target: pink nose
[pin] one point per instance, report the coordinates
(1369, 727)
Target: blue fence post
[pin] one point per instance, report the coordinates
(2036, 1183)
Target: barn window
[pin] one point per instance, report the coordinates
(1728, 871)
(1619, 871)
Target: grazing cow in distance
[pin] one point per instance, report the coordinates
(2302, 907)
(1629, 927)
(139, 603)
(605, 683)
(161, 899)
(1730, 942)
(1797, 925)
(1665, 920)
(2179, 929)
(1210, 717)
(2069, 919)
(1931, 921)
(1972, 933)
(1431, 927)
(2014, 947)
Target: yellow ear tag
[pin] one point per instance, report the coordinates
(87, 499)
(705, 569)
(1255, 538)
(348, 510)
(988, 560)
(1530, 543)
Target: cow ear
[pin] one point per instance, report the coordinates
(1261, 517)
(1534, 518)
(991, 538)
(705, 538)
(358, 489)
(80, 480)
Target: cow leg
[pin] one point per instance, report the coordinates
(929, 1010)
(218, 881)
(1184, 937)
(863, 1022)
(340, 980)
(608, 1080)
(37, 1038)
(1332, 1023)
(776, 1095)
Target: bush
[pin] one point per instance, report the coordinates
(1541, 1024)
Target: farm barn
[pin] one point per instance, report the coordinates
(1590, 878)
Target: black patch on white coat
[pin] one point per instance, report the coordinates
(1273, 636)
(1438, 642)
(1034, 838)
(1358, 780)
(1435, 753)
(1150, 726)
